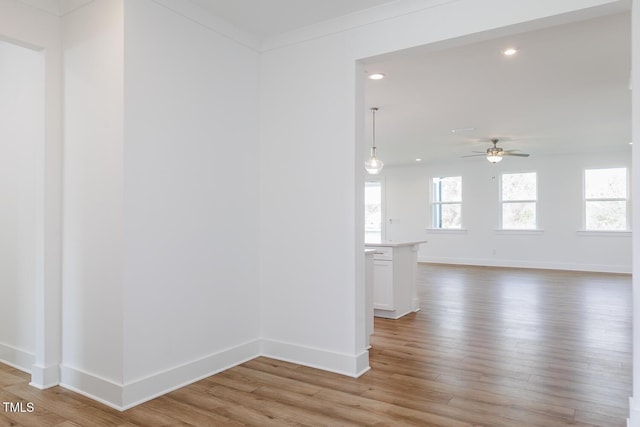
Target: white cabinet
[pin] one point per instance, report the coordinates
(383, 284)
(394, 274)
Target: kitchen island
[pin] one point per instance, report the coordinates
(394, 278)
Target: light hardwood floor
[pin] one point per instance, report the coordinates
(490, 347)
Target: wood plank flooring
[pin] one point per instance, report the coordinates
(490, 347)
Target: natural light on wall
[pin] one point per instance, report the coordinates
(372, 212)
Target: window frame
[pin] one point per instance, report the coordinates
(502, 202)
(434, 203)
(380, 180)
(625, 199)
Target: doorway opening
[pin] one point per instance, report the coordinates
(21, 139)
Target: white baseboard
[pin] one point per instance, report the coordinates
(634, 414)
(148, 388)
(16, 358)
(546, 265)
(345, 364)
(123, 397)
(43, 377)
(92, 386)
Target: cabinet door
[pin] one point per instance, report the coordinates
(383, 285)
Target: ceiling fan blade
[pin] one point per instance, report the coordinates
(481, 152)
(475, 155)
(508, 153)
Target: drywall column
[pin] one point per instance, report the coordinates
(634, 402)
(92, 39)
(161, 202)
(309, 206)
(191, 208)
(46, 368)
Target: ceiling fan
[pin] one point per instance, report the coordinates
(494, 154)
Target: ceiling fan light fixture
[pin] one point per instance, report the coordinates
(494, 157)
(373, 165)
(494, 154)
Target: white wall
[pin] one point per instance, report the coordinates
(311, 157)
(191, 173)
(161, 201)
(307, 192)
(559, 244)
(92, 329)
(21, 132)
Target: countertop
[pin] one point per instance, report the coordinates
(394, 244)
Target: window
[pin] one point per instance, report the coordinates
(372, 212)
(519, 195)
(605, 199)
(446, 202)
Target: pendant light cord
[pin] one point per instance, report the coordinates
(373, 111)
(373, 165)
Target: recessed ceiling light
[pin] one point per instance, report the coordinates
(418, 160)
(376, 76)
(510, 51)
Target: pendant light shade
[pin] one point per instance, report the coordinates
(373, 165)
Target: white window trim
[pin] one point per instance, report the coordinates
(518, 231)
(383, 203)
(501, 202)
(585, 230)
(433, 203)
(604, 233)
(446, 230)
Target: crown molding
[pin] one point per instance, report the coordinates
(351, 21)
(199, 15)
(52, 7)
(57, 8)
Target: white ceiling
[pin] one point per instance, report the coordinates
(264, 18)
(261, 18)
(56, 7)
(566, 91)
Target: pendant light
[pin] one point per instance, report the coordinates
(373, 165)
